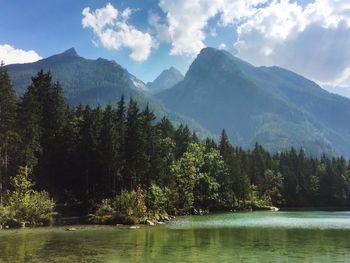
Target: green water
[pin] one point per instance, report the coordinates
(231, 237)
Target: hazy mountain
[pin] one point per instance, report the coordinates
(93, 82)
(341, 90)
(271, 105)
(167, 79)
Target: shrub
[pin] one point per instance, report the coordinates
(23, 205)
(105, 213)
(156, 200)
(4, 215)
(130, 207)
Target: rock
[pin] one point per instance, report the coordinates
(150, 223)
(166, 218)
(134, 227)
(274, 209)
(71, 229)
(161, 223)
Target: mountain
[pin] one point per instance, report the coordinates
(87, 81)
(93, 82)
(270, 105)
(167, 79)
(341, 90)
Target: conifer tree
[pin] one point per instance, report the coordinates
(108, 150)
(9, 140)
(121, 131)
(133, 149)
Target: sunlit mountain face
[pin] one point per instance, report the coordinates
(270, 105)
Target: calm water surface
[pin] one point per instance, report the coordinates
(230, 237)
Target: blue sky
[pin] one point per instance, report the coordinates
(310, 37)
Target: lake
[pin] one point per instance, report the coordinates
(228, 237)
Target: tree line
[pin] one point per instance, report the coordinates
(85, 156)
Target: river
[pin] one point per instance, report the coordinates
(229, 237)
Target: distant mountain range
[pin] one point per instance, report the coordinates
(94, 82)
(269, 105)
(167, 79)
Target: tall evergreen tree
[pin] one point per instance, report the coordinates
(108, 149)
(182, 139)
(8, 132)
(133, 150)
(148, 146)
(121, 131)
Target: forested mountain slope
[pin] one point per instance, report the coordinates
(271, 105)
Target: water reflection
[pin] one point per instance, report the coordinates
(179, 242)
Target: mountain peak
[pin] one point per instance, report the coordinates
(210, 49)
(167, 79)
(70, 52)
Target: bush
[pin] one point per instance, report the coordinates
(130, 207)
(4, 215)
(126, 208)
(256, 201)
(156, 200)
(23, 205)
(105, 213)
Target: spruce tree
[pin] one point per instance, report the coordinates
(133, 150)
(9, 140)
(121, 131)
(108, 150)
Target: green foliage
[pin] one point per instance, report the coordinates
(9, 138)
(273, 186)
(4, 215)
(142, 168)
(104, 214)
(156, 200)
(26, 206)
(256, 201)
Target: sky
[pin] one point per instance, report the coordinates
(310, 37)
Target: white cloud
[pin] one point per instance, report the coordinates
(313, 41)
(223, 46)
(187, 21)
(11, 55)
(161, 29)
(114, 32)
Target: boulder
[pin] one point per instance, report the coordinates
(274, 209)
(150, 223)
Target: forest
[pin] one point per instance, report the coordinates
(122, 164)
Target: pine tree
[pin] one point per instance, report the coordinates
(121, 131)
(108, 150)
(148, 146)
(8, 131)
(133, 150)
(42, 117)
(225, 146)
(182, 139)
(166, 128)
(30, 120)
